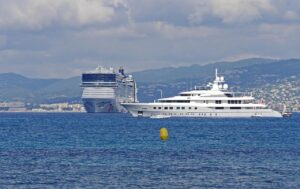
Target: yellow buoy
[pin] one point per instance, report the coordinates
(164, 134)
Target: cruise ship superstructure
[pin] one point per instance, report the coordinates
(215, 100)
(104, 90)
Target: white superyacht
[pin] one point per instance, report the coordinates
(213, 101)
(104, 89)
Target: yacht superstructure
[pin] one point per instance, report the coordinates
(104, 90)
(213, 101)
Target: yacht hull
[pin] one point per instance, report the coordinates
(146, 110)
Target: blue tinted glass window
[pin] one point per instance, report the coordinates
(98, 77)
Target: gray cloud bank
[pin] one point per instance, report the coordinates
(62, 38)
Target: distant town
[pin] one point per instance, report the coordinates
(57, 107)
(283, 93)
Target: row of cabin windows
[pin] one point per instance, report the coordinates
(226, 94)
(190, 95)
(232, 108)
(234, 101)
(238, 108)
(200, 95)
(192, 114)
(229, 102)
(204, 101)
(195, 108)
(177, 108)
(176, 101)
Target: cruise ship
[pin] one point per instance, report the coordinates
(104, 90)
(213, 101)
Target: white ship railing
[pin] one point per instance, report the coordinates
(99, 84)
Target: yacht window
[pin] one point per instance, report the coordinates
(154, 108)
(177, 108)
(171, 108)
(166, 108)
(234, 101)
(176, 101)
(182, 108)
(195, 108)
(159, 108)
(184, 95)
(235, 108)
(190, 108)
(228, 95)
(218, 101)
(219, 108)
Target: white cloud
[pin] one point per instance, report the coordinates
(122, 32)
(291, 15)
(231, 11)
(281, 33)
(36, 14)
(75, 35)
(180, 32)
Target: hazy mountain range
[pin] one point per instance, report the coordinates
(243, 74)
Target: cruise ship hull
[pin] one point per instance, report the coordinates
(146, 110)
(103, 106)
(104, 90)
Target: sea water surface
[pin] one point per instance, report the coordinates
(77, 150)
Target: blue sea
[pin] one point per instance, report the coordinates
(77, 150)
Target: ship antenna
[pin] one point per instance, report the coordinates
(216, 73)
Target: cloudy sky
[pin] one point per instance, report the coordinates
(62, 38)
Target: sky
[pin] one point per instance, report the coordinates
(63, 38)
